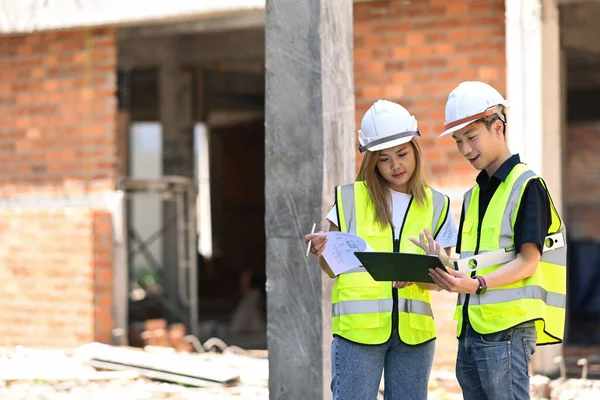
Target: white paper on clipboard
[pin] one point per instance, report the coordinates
(339, 251)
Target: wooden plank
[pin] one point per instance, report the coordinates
(259, 353)
(156, 375)
(182, 364)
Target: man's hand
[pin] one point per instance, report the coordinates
(427, 243)
(401, 285)
(454, 281)
(431, 247)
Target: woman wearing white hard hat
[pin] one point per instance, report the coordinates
(506, 306)
(384, 326)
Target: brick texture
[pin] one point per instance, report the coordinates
(57, 289)
(415, 53)
(57, 142)
(102, 273)
(582, 181)
(58, 109)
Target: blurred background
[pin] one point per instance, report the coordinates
(132, 154)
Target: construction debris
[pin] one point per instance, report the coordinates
(96, 371)
(542, 388)
(192, 369)
(444, 386)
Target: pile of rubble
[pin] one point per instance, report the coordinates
(444, 386)
(97, 371)
(542, 388)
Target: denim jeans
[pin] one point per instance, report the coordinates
(496, 366)
(356, 369)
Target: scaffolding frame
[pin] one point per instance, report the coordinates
(181, 191)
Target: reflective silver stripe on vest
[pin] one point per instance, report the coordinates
(439, 203)
(415, 307)
(467, 200)
(506, 230)
(361, 307)
(348, 208)
(380, 306)
(504, 295)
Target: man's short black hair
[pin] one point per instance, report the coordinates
(490, 119)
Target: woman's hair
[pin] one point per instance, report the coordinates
(378, 189)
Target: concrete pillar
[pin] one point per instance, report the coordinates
(309, 147)
(176, 117)
(534, 94)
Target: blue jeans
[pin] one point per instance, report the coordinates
(356, 369)
(496, 366)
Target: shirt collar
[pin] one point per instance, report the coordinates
(502, 172)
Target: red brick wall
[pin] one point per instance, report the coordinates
(57, 92)
(415, 53)
(57, 147)
(102, 269)
(582, 183)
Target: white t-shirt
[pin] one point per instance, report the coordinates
(447, 236)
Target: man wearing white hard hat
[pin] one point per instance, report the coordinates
(511, 275)
(384, 326)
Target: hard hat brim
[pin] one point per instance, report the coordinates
(460, 126)
(391, 143)
(455, 128)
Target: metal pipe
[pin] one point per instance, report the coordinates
(181, 253)
(193, 340)
(583, 362)
(192, 259)
(563, 368)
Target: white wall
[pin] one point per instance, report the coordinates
(22, 16)
(203, 209)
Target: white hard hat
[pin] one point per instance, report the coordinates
(469, 102)
(384, 125)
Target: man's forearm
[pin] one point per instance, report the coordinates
(520, 268)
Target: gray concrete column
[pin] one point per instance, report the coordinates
(176, 116)
(309, 143)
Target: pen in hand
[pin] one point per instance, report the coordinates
(310, 241)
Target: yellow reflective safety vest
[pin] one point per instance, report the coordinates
(541, 297)
(361, 307)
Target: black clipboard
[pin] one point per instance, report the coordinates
(402, 267)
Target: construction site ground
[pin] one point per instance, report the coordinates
(97, 371)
